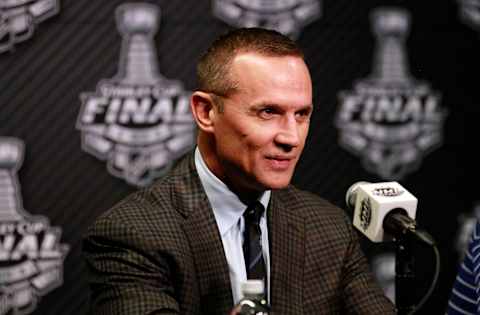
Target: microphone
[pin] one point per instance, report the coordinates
(384, 210)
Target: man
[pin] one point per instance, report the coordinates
(465, 295)
(179, 246)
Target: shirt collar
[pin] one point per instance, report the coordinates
(227, 207)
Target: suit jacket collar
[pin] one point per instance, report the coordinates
(205, 242)
(287, 254)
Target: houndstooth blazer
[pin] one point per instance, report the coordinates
(159, 252)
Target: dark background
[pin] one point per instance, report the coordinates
(42, 78)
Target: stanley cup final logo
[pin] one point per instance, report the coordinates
(284, 16)
(19, 17)
(138, 121)
(390, 119)
(31, 257)
(470, 12)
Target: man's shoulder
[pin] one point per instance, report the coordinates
(308, 203)
(140, 212)
(318, 214)
(150, 205)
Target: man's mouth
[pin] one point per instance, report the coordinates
(280, 163)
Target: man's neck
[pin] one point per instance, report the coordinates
(209, 156)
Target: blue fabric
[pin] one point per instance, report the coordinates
(465, 295)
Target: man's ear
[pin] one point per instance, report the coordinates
(203, 110)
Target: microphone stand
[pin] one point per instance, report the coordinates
(404, 274)
(405, 233)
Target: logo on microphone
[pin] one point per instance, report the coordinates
(18, 19)
(365, 213)
(138, 121)
(470, 12)
(387, 191)
(31, 256)
(284, 16)
(390, 119)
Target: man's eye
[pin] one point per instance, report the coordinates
(304, 114)
(267, 112)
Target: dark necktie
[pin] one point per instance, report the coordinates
(252, 242)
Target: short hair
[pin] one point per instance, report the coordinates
(213, 69)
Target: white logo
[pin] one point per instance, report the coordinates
(138, 121)
(390, 119)
(284, 16)
(31, 257)
(470, 12)
(19, 17)
(387, 191)
(366, 214)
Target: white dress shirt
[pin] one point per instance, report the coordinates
(228, 211)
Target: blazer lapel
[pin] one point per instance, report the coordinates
(287, 252)
(205, 244)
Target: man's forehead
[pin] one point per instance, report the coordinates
(254, 67)
(257, 66)
(258, 57)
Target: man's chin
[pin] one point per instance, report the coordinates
(278, 184)
(277, 187)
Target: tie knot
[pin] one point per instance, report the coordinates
(254, 212)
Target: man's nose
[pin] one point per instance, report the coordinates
(288, 135)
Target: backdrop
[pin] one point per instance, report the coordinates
(94, 105)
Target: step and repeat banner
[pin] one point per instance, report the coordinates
(94, 104)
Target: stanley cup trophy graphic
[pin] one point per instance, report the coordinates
(139, 121)
(10, 161)
(31, 257)
(390, 119)
(390, 61)
(284, 16)
(138, 24)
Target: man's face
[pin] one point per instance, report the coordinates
(262, 130)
